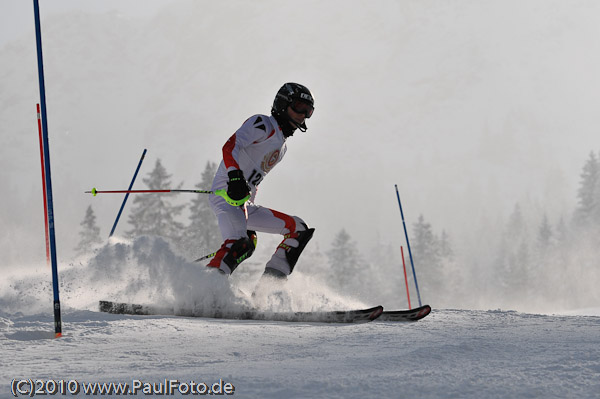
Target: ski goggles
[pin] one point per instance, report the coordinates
(302, 107)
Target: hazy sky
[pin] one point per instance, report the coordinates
(468, 106)
(17, 15)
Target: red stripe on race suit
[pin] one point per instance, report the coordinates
(290, 223)
(228, 153)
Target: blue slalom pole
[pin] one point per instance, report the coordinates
(408, 245)
(50, 204)
(127, 195)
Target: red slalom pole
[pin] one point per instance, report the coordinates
(405, 278)
(39, 119)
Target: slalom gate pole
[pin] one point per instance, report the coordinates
(127, 194)
(50, 204)
(408, 244)
(39, 120)
(405, 278)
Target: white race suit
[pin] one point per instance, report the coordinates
(255, 148)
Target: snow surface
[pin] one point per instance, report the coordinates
(450, 353)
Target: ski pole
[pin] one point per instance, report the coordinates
(127, 195)
(408, 244)
(206, 257)
(221, 193)
(251, 235)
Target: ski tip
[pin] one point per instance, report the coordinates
(423, 311)
(409, 315)
(377, 311)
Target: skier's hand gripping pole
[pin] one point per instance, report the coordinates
(237, 186)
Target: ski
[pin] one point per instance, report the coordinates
(338, 316)
(406, 315)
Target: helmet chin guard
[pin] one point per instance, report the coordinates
(289, 94)
(302, 127)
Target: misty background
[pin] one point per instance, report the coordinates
(474, 108)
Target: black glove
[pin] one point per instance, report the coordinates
(237, 187)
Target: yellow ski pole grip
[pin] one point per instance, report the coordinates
(223, 193)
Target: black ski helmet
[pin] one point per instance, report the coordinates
(286, 96)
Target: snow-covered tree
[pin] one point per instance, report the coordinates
(89, 236)
(202, 234)
(154, 213)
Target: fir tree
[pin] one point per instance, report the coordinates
(543, 254)
(514, 259)
(424, 242)
(453, 276)
(89, 236)
(386, 278)
(426, 256)
(446, 252)
(562, 232)
(202, 233)
(545, 234)
(344, 261)
(588, 212)
(516, 224)
(313, 262)
(155, 214)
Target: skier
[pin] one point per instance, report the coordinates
(252, 152)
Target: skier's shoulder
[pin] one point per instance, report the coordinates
(260, 126)
(260, 122)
